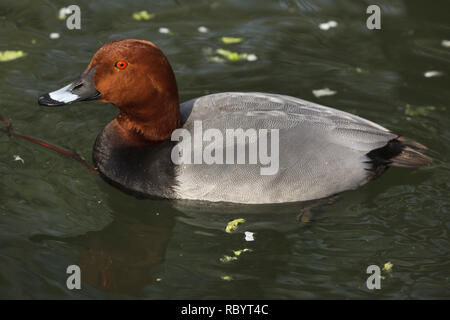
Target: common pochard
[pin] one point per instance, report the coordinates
(321, 151)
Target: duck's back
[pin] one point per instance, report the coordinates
(322, 151)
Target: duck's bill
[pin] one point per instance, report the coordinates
(81, 89)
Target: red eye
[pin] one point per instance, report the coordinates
(122, 64)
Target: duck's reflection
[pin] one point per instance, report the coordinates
(122, 257)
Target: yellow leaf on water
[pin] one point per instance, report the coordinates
(388, 266)
(9, 55)
(231, 56)
(216, 59)
(143, 15)
(226, 278)
(238, 252)
(226, 259)
(231, 40)
(232, 225)
(418, 111)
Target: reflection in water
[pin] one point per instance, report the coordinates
(122, 257)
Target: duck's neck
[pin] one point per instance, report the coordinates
(149, 127)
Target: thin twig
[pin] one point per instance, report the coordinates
(10, 132)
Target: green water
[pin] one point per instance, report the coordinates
(55, 213)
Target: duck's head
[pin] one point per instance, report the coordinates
(136, 77)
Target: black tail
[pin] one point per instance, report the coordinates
(398, 153)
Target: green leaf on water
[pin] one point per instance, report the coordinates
(231, 40)
(9, 55)
(232, 225)
(216, 59)
(143, 15)
(388, 266)
(237, 253)
(418, 111)
(232, 56)
(226, 259)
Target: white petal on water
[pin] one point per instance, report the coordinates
(252, 57)
(63, 12)
(328, 25)
(54, 35)
(433, 73)
(446, 43)
(323, 92)
(164, 30)
(324, 26)
(18, 158)
(332, 24)
(249, 236)
(203, 29)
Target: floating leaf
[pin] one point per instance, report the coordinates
(446, 43)
(63, 13)
(18, 158)
(226, 278)
(226, 259)
(323, 92)
(239, 252)
(165, 31)
(418, 111)
(328, 25)
(9, 55)
(143, 15)
(235, 56)
(216, 59)
(232, 56)
(388, 266)
(252, 57)
(231, 40)
(232, 225)
(433, 73)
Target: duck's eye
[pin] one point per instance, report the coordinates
(122, 64)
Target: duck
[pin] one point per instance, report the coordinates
(321, 151)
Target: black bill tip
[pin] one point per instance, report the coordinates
(45, 100)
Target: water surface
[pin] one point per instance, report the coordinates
(55, 213)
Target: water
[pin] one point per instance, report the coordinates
(55, 213)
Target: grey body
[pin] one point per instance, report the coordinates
(322, 151)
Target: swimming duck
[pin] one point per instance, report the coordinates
(321, 151)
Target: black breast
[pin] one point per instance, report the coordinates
(141, 171)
